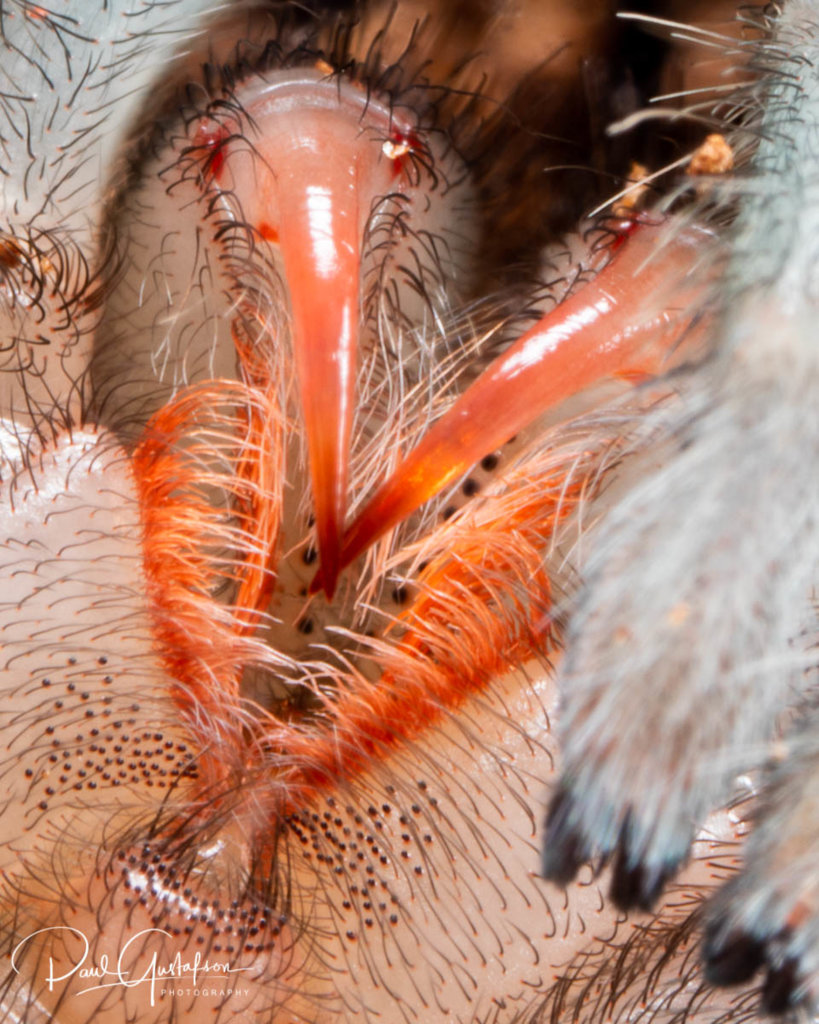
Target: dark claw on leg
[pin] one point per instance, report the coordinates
(637, 885)
(564, 852)
(733, 959)
(779, 988)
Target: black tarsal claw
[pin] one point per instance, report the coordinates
(731, 959)
(779, 991)
(564, 851)
(637, 885)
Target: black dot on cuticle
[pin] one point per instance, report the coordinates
(305, 626)
(470, 487)
(490, 462)
(449, 512)
(309, 555)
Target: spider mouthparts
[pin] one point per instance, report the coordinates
(308, 185)
(319, 240)
(606, 328)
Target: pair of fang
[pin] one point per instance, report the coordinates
(324, 155)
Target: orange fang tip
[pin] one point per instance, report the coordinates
(590, 336)
(309, 183)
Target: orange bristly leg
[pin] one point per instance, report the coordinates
(210, 440)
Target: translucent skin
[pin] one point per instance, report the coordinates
(373, 854)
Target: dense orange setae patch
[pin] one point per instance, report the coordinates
(483, 595)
